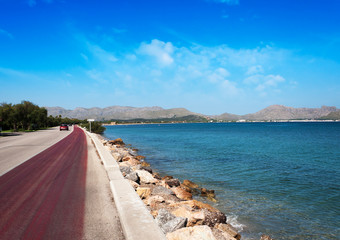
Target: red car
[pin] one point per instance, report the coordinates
(63, 127)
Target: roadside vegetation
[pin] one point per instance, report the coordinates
(27, 116)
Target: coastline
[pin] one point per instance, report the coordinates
(170, 201)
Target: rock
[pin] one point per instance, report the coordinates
(167, 177)
(143, 192)
(228, 231)
(181, 193)
(174, 182)
(133, 162)
(194, 217)
(155, 200)
(146, 177)
(266, 237)
(139, 157)
(125, 159)
(190, 184)
(192, 233)
(168, 222)
(133, 177)
(159, 190)
(145, 164)
(149, 169)
(156, 175)
(134, 184)
(125, 169)
(117, 141)
(116, 156)
(212, 218)
(207, 193)
(186, 188)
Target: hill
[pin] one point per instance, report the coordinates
(274, 112)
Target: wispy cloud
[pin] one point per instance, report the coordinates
(6, 33)
(229, 2)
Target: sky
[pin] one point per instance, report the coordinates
(209, 56)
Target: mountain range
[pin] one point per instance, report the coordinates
(273, 112)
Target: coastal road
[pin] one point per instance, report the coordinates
(61, 193)
(16, 149)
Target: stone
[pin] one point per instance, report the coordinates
(194, 217)
(146, 177)
(207, 193)
(212, 218)
(174, 182)
(139, 157)
(228, 231)
(117, 141)
(186, 188)
(167, 177)
(190, 184)
(134, 184)
(145, 164)
(156, 175)
(155, 200)
(133, 177)
(149, 169)
(168, 222)
(192, 233)
(266, 237)
(125, 159)
(125, 169)
(159, 190)
(143, 192)
(116, 156)
(181, 193)
(133, 162)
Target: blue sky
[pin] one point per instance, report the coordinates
(209, 56)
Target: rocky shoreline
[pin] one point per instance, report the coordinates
(170, 201)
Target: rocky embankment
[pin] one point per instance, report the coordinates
(171, 202)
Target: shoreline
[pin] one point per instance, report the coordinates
(170, 201)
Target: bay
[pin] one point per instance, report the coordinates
(280, 179)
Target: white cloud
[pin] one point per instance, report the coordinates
(264, 82)
(160, 50)
(229, 2)
(254, 70)
(5, 33)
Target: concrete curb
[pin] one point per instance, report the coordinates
(137, 222)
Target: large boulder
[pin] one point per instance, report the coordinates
(159, 190)
(181, 193)
(192, 233)
(125, 170)
(190, 184)
(133, 177)
(146, 177)
(266, 237)
(228, 231)
(174, 182)
(117, 141)
(168, 222)
(143, 192)
(194, 217)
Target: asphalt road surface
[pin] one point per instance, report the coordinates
(61, 193)
(16, 149)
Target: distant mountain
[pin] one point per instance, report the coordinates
(274, 112)
(332, 116)
(121, 113)
(279, 112)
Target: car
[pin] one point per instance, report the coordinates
(63, 127)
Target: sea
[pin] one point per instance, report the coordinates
(280, 179)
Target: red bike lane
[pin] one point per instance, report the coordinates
(44, 198)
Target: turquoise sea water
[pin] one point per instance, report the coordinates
(281, 179)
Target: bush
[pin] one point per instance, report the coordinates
(96, 127)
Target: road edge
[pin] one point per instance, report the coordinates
(137, 222)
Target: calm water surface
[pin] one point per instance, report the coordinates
(281, 179)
